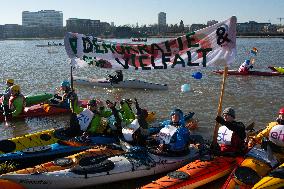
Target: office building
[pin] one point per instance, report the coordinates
(46, 18)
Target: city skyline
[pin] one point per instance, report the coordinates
(123, 12)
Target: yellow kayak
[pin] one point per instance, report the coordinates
(41, 138)
(275, 179)
(277, 69)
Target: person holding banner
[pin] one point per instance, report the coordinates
(246, 66)
(237, 134)
(273, 135)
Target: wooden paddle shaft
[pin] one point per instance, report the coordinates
(220, 105)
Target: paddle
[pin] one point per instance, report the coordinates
(215, 135)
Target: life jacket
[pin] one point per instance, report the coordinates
(237, 144)
(13, 98)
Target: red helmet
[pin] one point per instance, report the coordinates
(281, 111)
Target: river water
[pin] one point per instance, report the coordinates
(254, 98)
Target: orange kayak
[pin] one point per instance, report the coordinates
(7, 184)
(197, 173)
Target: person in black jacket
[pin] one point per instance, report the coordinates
(239, 134)
(117, 77)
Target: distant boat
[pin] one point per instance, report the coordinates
(51, 45)
(139, 40)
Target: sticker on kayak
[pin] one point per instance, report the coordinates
(276, 135)
(85, 118)
(224, 135)
(36, 149)
(167, 133)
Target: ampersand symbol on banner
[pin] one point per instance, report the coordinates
(222, 36)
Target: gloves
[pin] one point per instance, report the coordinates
(8, 115)
(220, 120)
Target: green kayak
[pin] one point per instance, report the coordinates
(37, 99)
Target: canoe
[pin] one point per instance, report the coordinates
(93, 171)
(255, 166)
(275, 179)
(129, 83)
(253, 73)
(197, 173)
(36, 155)
(42, 110)
(7, 184)
(277, 69)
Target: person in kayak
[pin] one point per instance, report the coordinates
(118, 77)
(246, 67)
(273, 136)
(238, 136)
(7, 93)
(126, 111)
(174, 138)
(90, 118)
(64, 100)
(16, 102)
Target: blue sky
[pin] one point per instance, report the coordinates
(123, 12)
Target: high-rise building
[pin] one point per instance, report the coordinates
(47, 18)
(162, 19)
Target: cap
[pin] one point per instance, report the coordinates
(230, 111)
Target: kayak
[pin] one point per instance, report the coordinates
(72, 160)
(7, 184)
(255, 166)
(197, 173)
(275, 179)
(35, 99)
(42, 110)
(129, 83)
(29, 140)
(277, 69)
(46, 137)
(35, 155)
(253, 73)
(136, 163)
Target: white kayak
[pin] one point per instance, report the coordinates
(129, 83)
(135, 164)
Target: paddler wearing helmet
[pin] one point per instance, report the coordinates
(174, 137)
(273, 135)
(63, 100)
(16, 103)
(7, 93)
(236, 142)
(246, 66)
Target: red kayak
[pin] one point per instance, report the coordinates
(43, 110)
(254, 73)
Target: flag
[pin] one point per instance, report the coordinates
(210, 46)
(254, 51)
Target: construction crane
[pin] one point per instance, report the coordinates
(280, 20)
